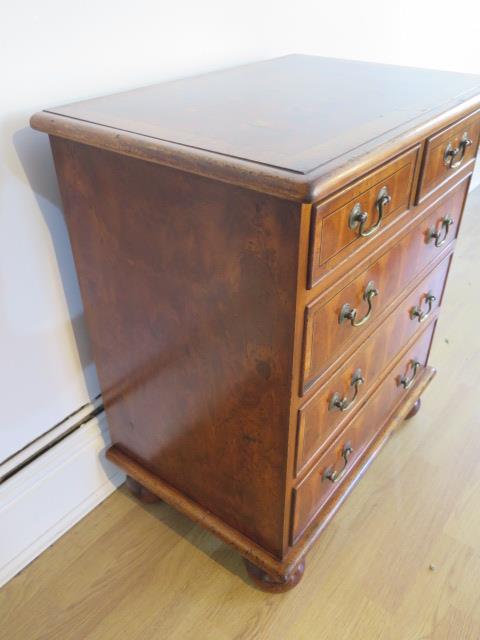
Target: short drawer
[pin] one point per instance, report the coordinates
(447, 152)
(320, 419)
(340, 459)
(337, 323)
(360, 213)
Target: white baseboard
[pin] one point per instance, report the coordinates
(50, 494)
(47, 439)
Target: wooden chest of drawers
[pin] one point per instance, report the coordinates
(262, 254)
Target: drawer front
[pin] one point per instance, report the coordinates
(334, 325)
(447, 152)
(360, 213)
(340, 459)
(320, 419)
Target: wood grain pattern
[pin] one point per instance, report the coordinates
(169, 263)
(333, 239)
(318, 423)
(195, 288)
(279, 568)
(314, 490)
(292, 127)
(435, 172)
(294, 113)
(325, 337)
(367, 253)
(147, 572)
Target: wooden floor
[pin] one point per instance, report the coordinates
(400, 561)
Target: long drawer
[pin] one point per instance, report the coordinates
(332, 325)
(340, 459)
(320, 419)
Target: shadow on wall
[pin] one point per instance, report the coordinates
(33, 150)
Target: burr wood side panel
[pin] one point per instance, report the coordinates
(189, 288)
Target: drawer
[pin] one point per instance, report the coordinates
(340, 459)
(447, 152)
(320, 419)
(336, 324)
(360, 213)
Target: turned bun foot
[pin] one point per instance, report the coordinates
(140, 492)
(414, 410)
(265, 582)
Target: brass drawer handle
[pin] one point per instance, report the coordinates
(358, 217)
(450, 159)
(407, 382)
(436, 235)
(344, 404)
(347, 312)
(423, 315)
(332, 474)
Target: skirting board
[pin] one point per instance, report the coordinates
(52, 493)
(35, 448)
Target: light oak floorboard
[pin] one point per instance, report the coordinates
(401, 560)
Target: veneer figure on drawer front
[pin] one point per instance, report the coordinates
(220, 225)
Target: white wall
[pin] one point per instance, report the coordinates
(55, 52)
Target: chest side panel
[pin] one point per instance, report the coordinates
(189, 292)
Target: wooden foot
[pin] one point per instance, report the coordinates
(266, 582)
(140, 492)
(414, 410)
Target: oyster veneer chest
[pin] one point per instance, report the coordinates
(262, 254)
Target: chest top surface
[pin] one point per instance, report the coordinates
(293, 114)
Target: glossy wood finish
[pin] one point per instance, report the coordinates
(333, 239)
(435, 171)
(278, 568)
(246, 111)
(368, 253)
(293, 126)
(312, 492)
(326, 337)
(318, 420)
(193, 225)
(195, 377)
(147, 572)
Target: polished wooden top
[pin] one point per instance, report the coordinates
(295, 114)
